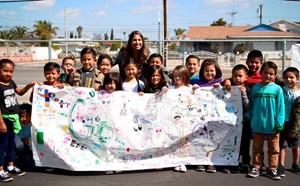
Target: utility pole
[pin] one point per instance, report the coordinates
(260, 14)
(165, 32)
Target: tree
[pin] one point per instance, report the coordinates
(18, 32)
(79, 31)
(124, 35)
(44, 30)
(5, 34)
(219, 22)
(179, 31)
(71, 34)
(105, 36)
(112, 34)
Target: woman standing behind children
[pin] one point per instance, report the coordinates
(155, 81)
(135, 50)
(9, 118)
(210, 74)
(130, 81)
(290, 92)
(267, 118)
(88, 75)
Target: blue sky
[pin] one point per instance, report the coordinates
(100, 16)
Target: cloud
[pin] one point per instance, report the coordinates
(146, 6)
(39, 5)
(101, 13)
(4, 12)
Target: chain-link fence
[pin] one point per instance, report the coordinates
(31, 55)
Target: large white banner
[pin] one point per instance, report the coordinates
(87, 130)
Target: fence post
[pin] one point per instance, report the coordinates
(49, 51)
(283, 55)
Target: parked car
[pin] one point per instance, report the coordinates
(70, 53)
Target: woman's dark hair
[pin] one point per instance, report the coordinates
(208, 62)
(113, 77)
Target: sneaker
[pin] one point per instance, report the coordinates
(253, 173)
(109, 172)
(226, 171)
(296, 168)
(5, 177)
(180, 168)
(245, 168)
(263, 168)
(211, 169)
(118, 172)
(281, 171)
(16, 171)
(273, 174)
(200, 168)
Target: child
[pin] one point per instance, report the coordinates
(112, 82)
(131, 82)
(193, 64)
(180, 81)
(267, 117)
(253, 62)
(210, 74)
(51, 73)
(156, 81)
(104, 63)
(88, 75)
(68, 65)
(157, 59)
(239, 78)
(290, 92)
(23, 139)
(9, 118)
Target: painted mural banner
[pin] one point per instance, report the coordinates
(81, 129)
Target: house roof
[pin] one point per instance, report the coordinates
(281, 20)
(235, 32)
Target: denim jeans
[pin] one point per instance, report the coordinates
(7, 143)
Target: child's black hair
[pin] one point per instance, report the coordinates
(153, 56)
(25, 107)
(51, 66)
(192, 57)
(104, 56)
(6, 61)
(162, 82)
(255, 54)
(113, 77)
(240, 67)
(88, 50)
(292, 70)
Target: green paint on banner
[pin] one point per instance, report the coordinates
(97, 162)
(40, 137)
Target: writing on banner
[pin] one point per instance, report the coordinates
(78, 128)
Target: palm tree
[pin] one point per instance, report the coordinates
(179, 31)
(79, 31)
(5, 34)
(44, 30)
(18, 32)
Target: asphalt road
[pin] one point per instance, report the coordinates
(166, 177)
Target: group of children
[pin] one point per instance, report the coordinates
(268, 108)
